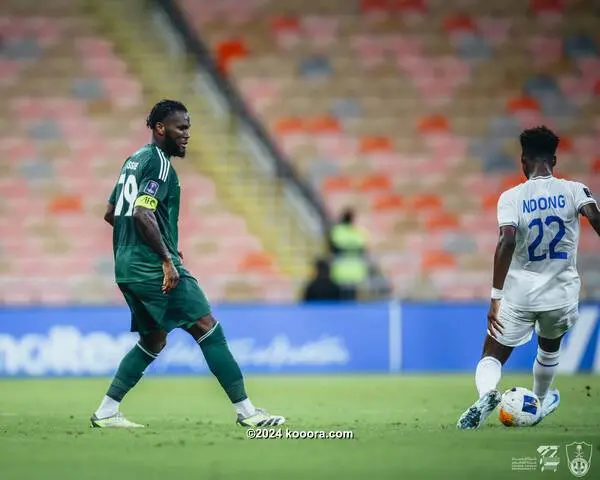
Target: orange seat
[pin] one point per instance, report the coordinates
(257, 261)
(65, 204)
(565, 145)
(426, 201)
(229, 50)
(289, 125)
(512, 181)
(523, 102)
(442, 221)
(596, 165)
(490, 201)
(284, 22)
(391, 201)
(437, 260)
(323, 124)
(337, 183)
(540, 6)
(459, 22)
(371, 6)
(408, 5)
(373, 144)
(433, 124)
(375, 181)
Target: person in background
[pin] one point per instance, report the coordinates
(321, 288)
(349, 263)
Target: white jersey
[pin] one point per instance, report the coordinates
(543, 273)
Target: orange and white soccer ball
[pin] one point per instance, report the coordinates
(519, 407)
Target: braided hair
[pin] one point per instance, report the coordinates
(162, 110)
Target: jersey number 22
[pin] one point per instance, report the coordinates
(553, 254)
(128, 194)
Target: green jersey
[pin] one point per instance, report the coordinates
(148, 179)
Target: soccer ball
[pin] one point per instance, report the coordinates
(519, 407)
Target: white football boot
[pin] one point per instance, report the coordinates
(117, 420)
(260, 419)
(550, 404)
(477, 413)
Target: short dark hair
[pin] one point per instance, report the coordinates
(539, 142)
(162, 110)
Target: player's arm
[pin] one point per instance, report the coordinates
(508, 220)
(153, 190)
(591, 212)
(147, 226)
(587, 206)
(109, 215)
(505, 248)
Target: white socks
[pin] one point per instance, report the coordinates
(244, 408)
(487, 375)
(108, 407)
(544, 370)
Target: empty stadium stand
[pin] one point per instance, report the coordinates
(409, 110)
(74, 108)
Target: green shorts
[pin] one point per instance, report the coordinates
(152, 310)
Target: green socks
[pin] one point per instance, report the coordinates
(221, 363)
(130, 371)
(216, 352)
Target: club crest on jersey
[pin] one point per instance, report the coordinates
(151, 188)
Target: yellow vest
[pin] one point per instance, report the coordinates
(349, 267)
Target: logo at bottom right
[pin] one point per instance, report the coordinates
(579, 458)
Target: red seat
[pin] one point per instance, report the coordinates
(521, 103)
(228, 51)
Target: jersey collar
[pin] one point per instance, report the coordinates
(162, 152)
(545, 177)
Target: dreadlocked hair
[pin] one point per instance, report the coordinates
(539, 142)
(162, 110)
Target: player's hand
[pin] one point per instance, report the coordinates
(180, 253)
(171, 276)
(495, 326)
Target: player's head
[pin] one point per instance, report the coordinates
(347, 216)
(169, 121)
(538, 146)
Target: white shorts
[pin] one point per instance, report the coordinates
(519, 324)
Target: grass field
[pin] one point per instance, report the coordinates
(403, 427)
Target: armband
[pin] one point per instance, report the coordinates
(146, 201)
(497, 294)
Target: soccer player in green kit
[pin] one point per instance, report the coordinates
(162, 295)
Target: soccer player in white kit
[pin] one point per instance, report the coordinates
(535, 281)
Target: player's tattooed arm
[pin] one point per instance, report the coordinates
(147, 225)
(591, 212)
(109, 216)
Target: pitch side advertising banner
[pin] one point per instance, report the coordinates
(283, 339)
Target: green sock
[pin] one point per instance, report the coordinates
(221, 363)
(130, 371)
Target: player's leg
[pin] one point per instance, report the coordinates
(189, 309)
(518, 329)
(551, 328)
(489, 368)
(545, 365)
(209, 335)
(134, 363)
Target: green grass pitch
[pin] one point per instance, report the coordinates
(403, 426)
